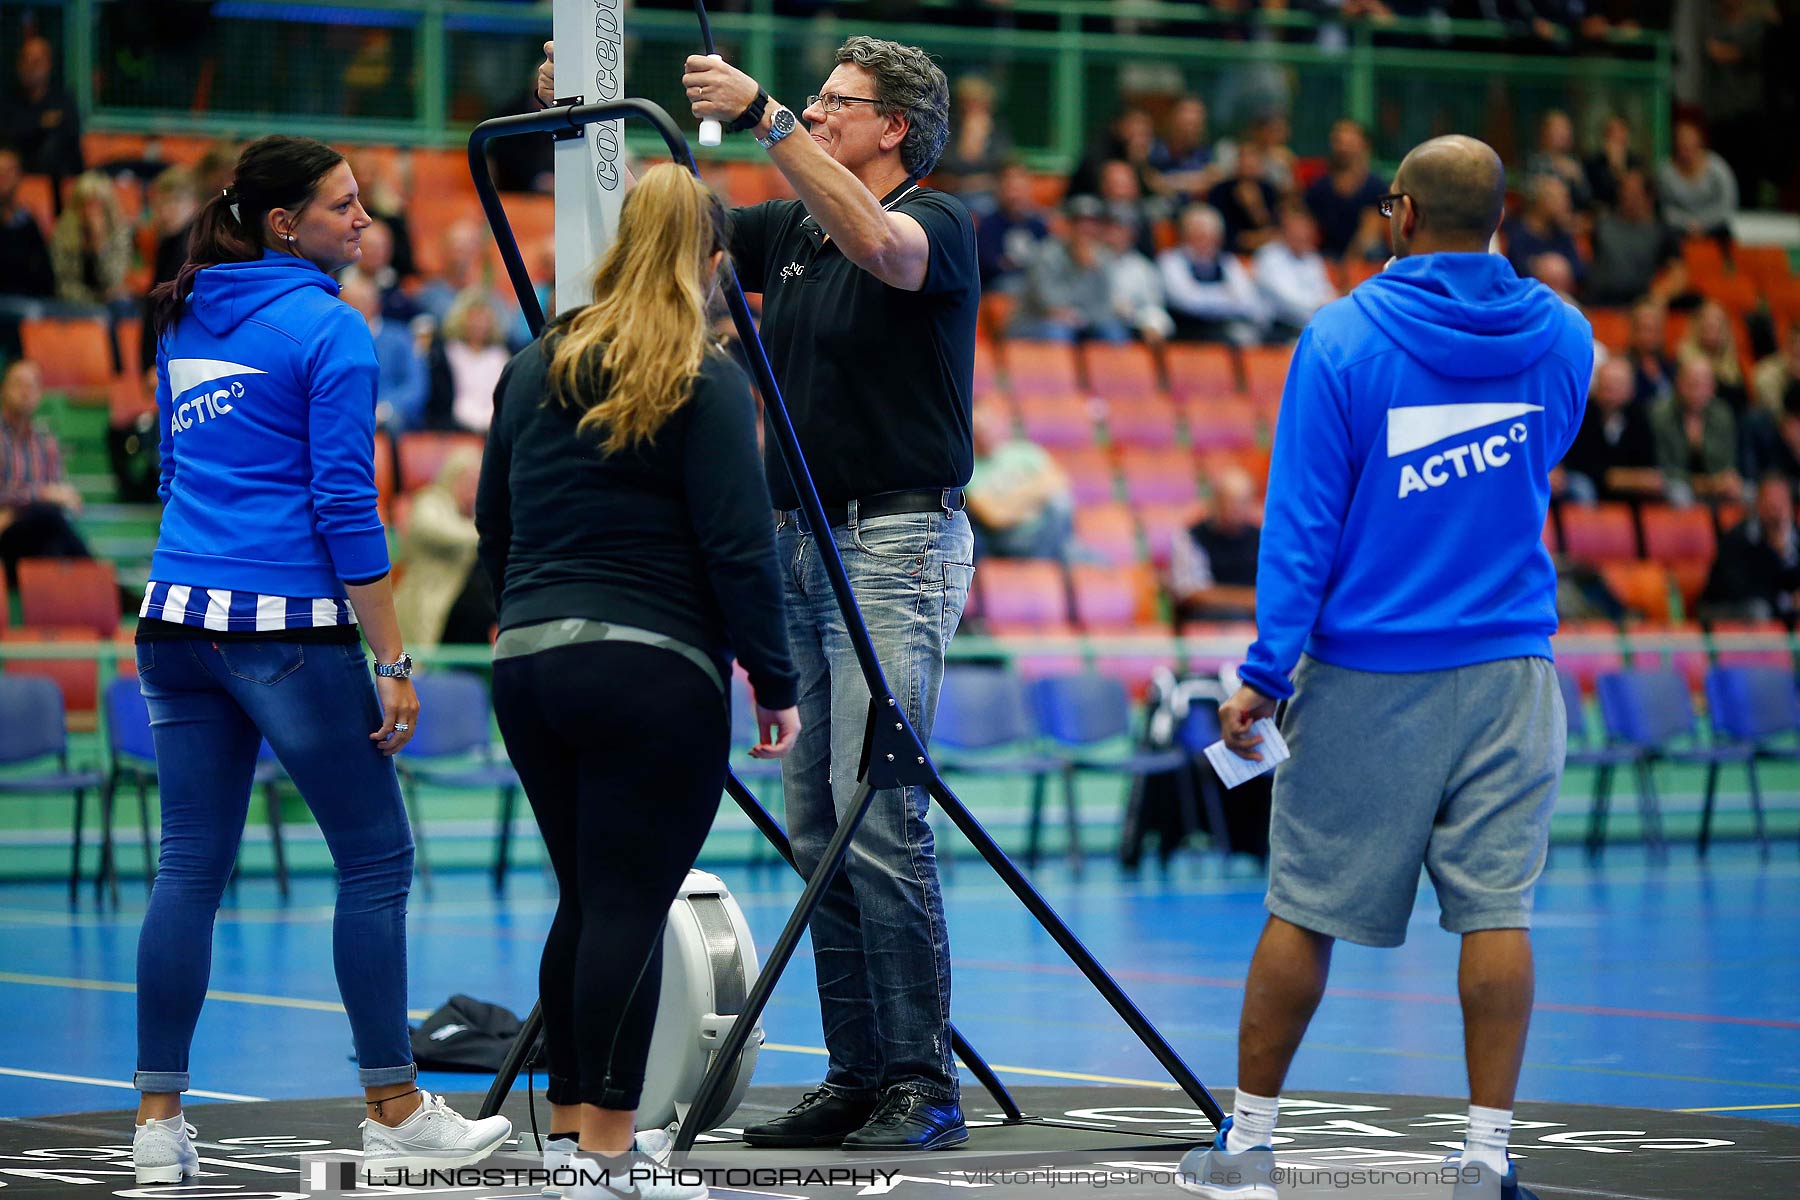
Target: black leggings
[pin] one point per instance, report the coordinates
(622, 750)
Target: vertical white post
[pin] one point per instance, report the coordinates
(590, 171)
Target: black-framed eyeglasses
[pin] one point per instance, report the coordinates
(1386, 203)
(830, 101)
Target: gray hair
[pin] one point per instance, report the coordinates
(907, 82)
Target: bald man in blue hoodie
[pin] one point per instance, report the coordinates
(1404, 604)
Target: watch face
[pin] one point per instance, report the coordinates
(783, 122)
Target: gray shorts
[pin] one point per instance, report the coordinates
(1455, 771)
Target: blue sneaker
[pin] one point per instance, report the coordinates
(1481, 1183)
(1218, 1174)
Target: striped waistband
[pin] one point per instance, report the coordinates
(569, 631)
(217, 608)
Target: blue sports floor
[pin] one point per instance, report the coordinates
(1672, 987)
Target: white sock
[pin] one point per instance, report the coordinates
(1489, 1129)
(1252, 1121)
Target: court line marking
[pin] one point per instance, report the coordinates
(1738, 1108)
(118, 1083)
(1228, 984)
(111, 985)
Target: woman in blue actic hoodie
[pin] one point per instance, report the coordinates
(270, 556)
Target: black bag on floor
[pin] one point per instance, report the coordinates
(1155, 808)
(465, 1035)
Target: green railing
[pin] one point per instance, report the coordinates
(422, 72)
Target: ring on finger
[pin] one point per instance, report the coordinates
(402, 727)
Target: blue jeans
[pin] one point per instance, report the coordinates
(211, 705)
(879, 941)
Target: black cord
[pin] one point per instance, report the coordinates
(531, 1103)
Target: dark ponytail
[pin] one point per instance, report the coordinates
(273, 172)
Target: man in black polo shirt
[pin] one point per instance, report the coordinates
(870, 288)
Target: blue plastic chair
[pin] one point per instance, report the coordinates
(1650, 711)
(453, 747)
(1198, 729)
(1756, 707)
(1605, 759)
(1079, 713)
(984, 727)
(127, 717)
(31, 730)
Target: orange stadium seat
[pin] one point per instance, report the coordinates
(1612, 327)
(75, 353)
(1111, 600)
(1047, 368)
(1200, 372)
(1768, 265)
(1673, 534)
(1109, 532)
(1124, 371)
(422, 455)
(1265, 370)
(70, 592)
(1602, 533)
(1023, 595)
(1704, 257)
(78, 678)
(1643, 587)
(1223, 425)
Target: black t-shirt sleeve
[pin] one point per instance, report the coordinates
(728, 502)
(752, 231)
(953, 266)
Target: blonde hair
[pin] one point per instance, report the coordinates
(456, 321)
(631, 357)
(1727, 368)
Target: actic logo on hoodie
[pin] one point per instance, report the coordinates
(194, 402)
(1416, 427)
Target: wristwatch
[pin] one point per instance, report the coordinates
(752, 116)
(402, 669)
(780, 125)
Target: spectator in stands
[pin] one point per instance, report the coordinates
(1712, 337)
(1613, 456)
(1772, 439)
(24, 257)
(40, 119)
(1635, 254)
(1554, 272)
(1653, 370)
(1020, 502)
(1182, 158)
(1756, 575)
(1696, 439)
(1607, 166)
(1556, 155)
(1343, 200)
(465, 366)
(1136, 286)
(1007, 239)
(1132, 138)
(400, 394)
(1290, 273)
(1127, 205)
(441, 597)
(378, 265)
(90, 248)
(1210, 294)
(463, 265)
(1212, 571)
(174, 199)
(1068, 294)
(1274, 160)
(1699, 191)
(1247, 201)
(1775, 376)
(1546, 226)
(1733, 90)
(978, 146)
(37, 504)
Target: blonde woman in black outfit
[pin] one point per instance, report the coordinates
(624, 519)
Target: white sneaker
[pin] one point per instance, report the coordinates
(634, 1176)
(654, 1144)
(434, 1136)
(163, 1151)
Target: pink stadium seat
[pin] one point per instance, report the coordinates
(1162, 476)
(1111, 600)
(1147, 422)
(422, 455)
(1090, 472)
(1162, 524)
(1041, 368)
(1200, 372)
(1775, 652)
(1023, 596)
(1222, 426)
(1265, 371)
(1057, 422)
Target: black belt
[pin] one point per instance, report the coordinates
(889, 504)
